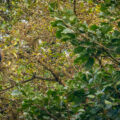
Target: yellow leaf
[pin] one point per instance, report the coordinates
(9, 63)
(15, 55)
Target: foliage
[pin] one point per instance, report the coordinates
(73, 76)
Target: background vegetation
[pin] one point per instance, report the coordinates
(60, 60)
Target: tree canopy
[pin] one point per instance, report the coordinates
(60, 59)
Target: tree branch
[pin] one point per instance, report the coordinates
(22, 82)
(74, 6)
(55, 75)
(107, 50)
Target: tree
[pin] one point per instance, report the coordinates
(73, 75)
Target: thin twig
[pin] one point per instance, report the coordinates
(74, 6)
(25, 81)
(51, 115)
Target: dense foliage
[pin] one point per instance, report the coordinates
(61, 60)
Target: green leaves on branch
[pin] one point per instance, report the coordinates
(98, 50)
(53, 6)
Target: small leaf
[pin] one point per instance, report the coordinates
(89, 63)
(72, 18)
(77, 60)
(108, 102)
(81, 110)
(56, 23)
(67, 30)
(118, 83)
(78, 49)
(58, 33)
(74, 42)
(105, 27)
(91, 96)
(65, 38)
(116, 33)
(118, 24)
(103, 8)
(52, 6)
(93, 27)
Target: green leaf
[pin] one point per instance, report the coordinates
(83, 27)
(58, 34)
(116, 75)
(67, 30)
(57, 23)
(72, 18)
(91, 96)
(94, 27)
(52, 6)
(68, 36)
(103, 8)
(65, 38)
(116, 33)
(78, 49)
(118, 24)
(74, 42)
(89, 63)
(105, 27)
(77, 60)
(108, 102)
(0, 87)
(77, 96)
